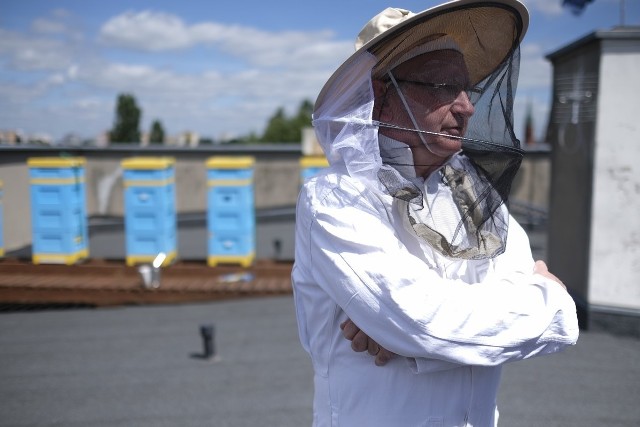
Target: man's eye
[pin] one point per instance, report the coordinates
(451, 88)
(456, 88)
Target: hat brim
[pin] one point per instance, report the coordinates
(487, 32)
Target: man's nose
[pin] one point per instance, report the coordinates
(462, 104)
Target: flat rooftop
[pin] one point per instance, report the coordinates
(143, 366)
(140, 361)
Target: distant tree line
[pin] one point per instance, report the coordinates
(126, 127)
(280, 127)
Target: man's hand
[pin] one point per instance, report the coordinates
(361, 342)
(541, 268)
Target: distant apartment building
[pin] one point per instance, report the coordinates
(16, 136)
(10, 137)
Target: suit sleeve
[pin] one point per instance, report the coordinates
(409, 309)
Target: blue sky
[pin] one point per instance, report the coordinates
(218, 68)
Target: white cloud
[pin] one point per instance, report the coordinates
(546, 7)
(88, 103)
(303, 51)
(56, 79)
(156, 31)
(535, 70)
(147, 30)
(70, 83)
(25, 52)
(72, 71)
(533, 89)
(17, 96)
(281, 69)
(12, 95)
(48, 26)
(59, 24)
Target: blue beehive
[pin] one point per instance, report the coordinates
(149, 209)
(230, 211)
(58, 210)
(1, 222)
(311, 165)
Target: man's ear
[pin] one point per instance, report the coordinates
(380, 94)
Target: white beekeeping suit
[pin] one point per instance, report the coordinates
(423, 265)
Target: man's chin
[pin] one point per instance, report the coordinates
(446, 148)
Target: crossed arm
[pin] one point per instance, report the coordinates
(347, 255)
(362, 342)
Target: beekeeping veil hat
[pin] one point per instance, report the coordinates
(488, 34)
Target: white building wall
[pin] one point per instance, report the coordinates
(614, 269)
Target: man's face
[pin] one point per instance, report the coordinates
(433, 87)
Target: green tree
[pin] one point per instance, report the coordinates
(303, 118)
(281, 128)
(157, 133)
(251, 138)
(276, 130)
(126, 127)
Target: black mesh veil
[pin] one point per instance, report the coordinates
(491, 141)
(473, 223)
